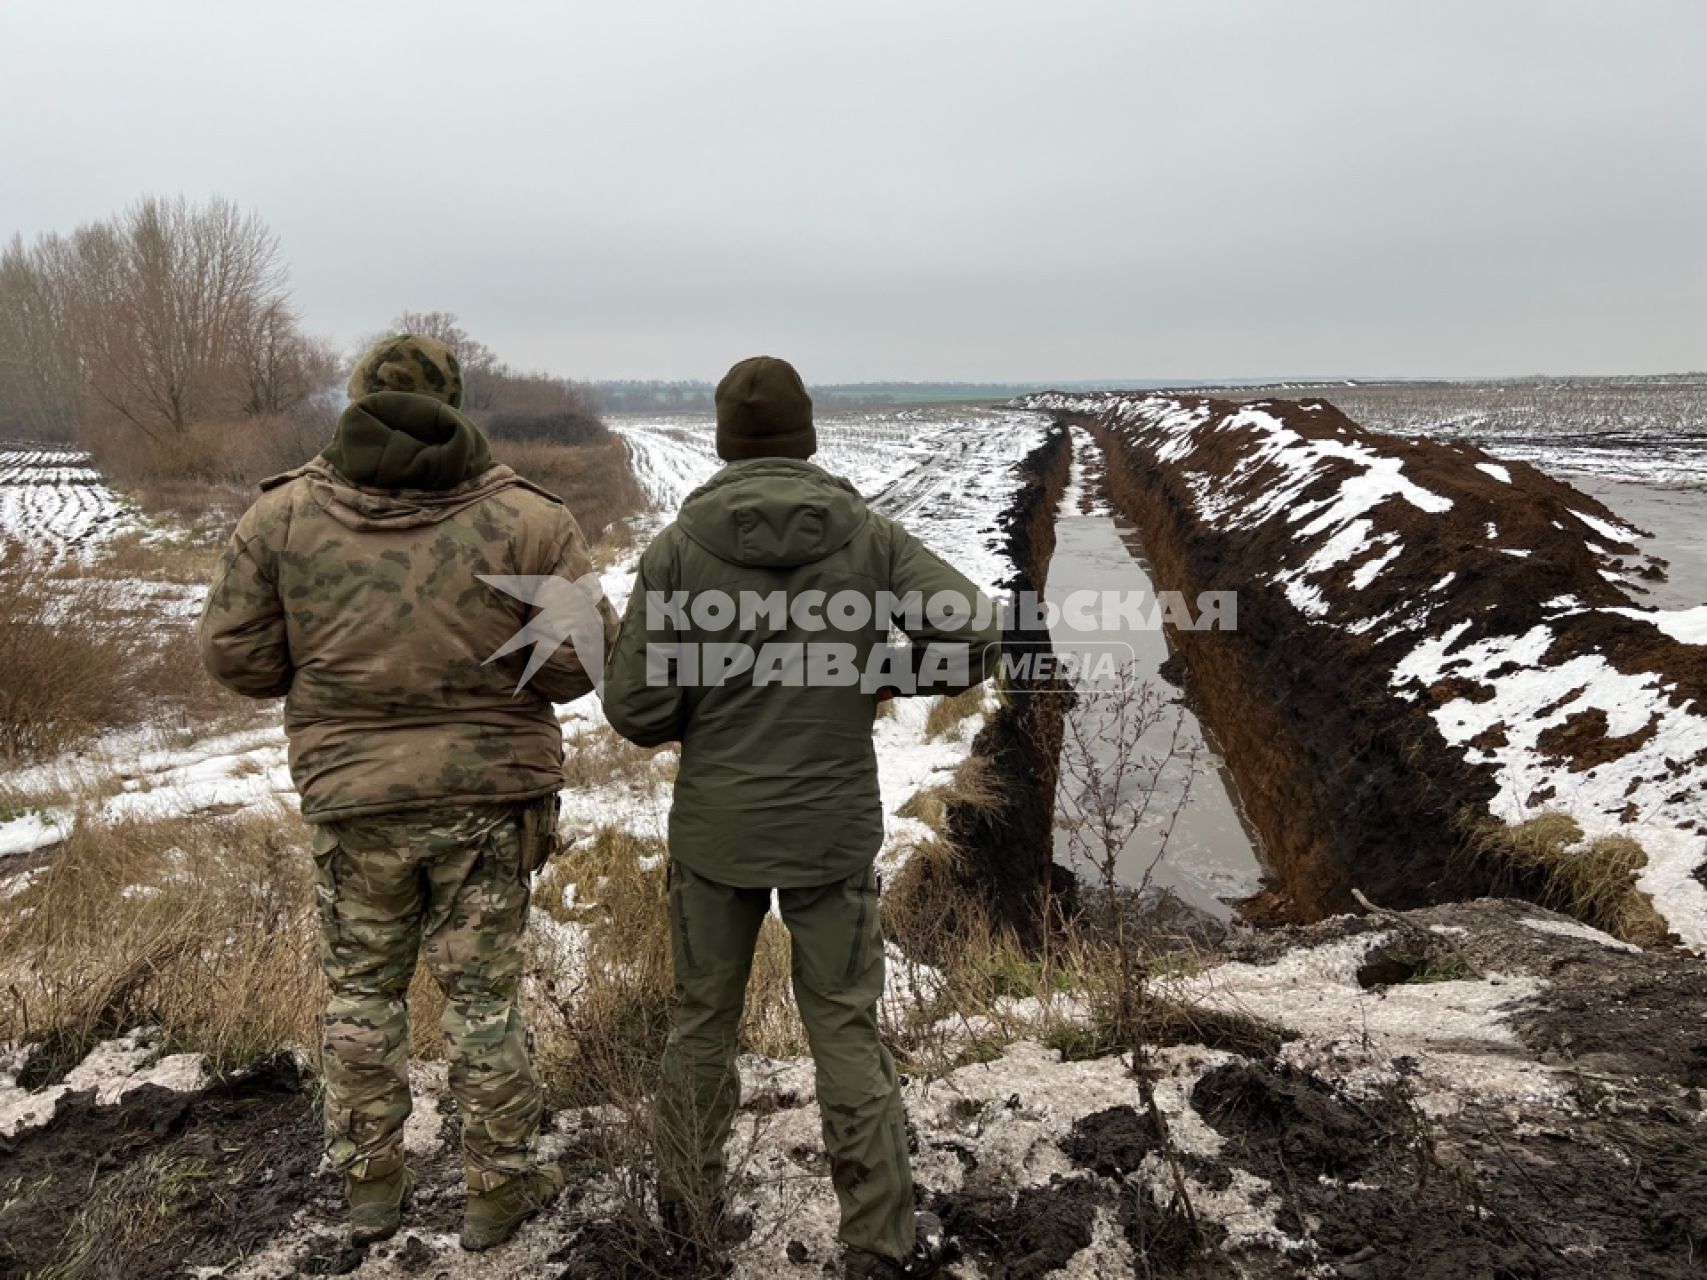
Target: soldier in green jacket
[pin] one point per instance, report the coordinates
(353, 587)
(745, 641)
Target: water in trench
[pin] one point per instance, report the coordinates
(1172, 793)
(1677, 519)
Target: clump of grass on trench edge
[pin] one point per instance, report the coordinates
(1592, 880)
(949, 711)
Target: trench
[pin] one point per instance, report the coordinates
(1155, 758)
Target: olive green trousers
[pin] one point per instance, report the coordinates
(838, 968)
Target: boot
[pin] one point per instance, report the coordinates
(492, 1217)
(377, 1204)
(930, 1251)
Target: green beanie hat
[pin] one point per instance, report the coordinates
(409, 362)
(763, 411)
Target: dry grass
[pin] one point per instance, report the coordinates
(988, 991)
(603, 1013)
(205, 475)
(950, 710)
(181, 560)
(71, 663)
(971, 786)
(601, 756)
(81, 656)
(594, 480)
(1593, 880)
(201, 927)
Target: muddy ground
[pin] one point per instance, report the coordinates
(1561, 1137)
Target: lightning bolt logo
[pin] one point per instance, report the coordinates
(567, 611)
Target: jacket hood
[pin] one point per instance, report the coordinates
(401, 440)
(773, 513)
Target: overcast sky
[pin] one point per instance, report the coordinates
(902, 189)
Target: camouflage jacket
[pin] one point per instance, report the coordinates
(364, 607)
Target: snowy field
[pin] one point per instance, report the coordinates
(53, 504)
(1649, 431)
(946, 473)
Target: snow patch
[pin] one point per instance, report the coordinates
(1572, 929)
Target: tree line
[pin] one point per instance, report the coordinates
(153, 324)
(158, 318)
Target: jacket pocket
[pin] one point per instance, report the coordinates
(865, 885)
(325, 849)
(678, 918)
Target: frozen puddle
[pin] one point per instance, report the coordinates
(1209, 859)
(1677, 517)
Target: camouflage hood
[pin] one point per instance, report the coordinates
(773, 513)
(401, 461)
(400, 440)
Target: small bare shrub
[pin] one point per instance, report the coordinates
(72, 664)
(594, 480)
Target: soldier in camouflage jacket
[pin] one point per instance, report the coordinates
(353, 587)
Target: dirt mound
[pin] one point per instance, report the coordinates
(1114, 1142)
(1294, 1121)
(1427, 638)
(1025, 1236)
(1006, 865)
(160, 1181)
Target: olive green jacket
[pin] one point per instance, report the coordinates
(358, 598)
(777, 785)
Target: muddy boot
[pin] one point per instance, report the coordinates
(492, 1217)
(930, 1251)
(377, 1204)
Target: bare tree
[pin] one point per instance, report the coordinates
(481, 368)
(1121, 757)
(41, 384)
(1122, 746)
(280, 367)
(163, 291)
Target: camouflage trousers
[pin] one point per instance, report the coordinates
(447, 885)
(838, 968)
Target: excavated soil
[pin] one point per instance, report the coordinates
(1310, 1158)
(160, 1181)
(1350, 784)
